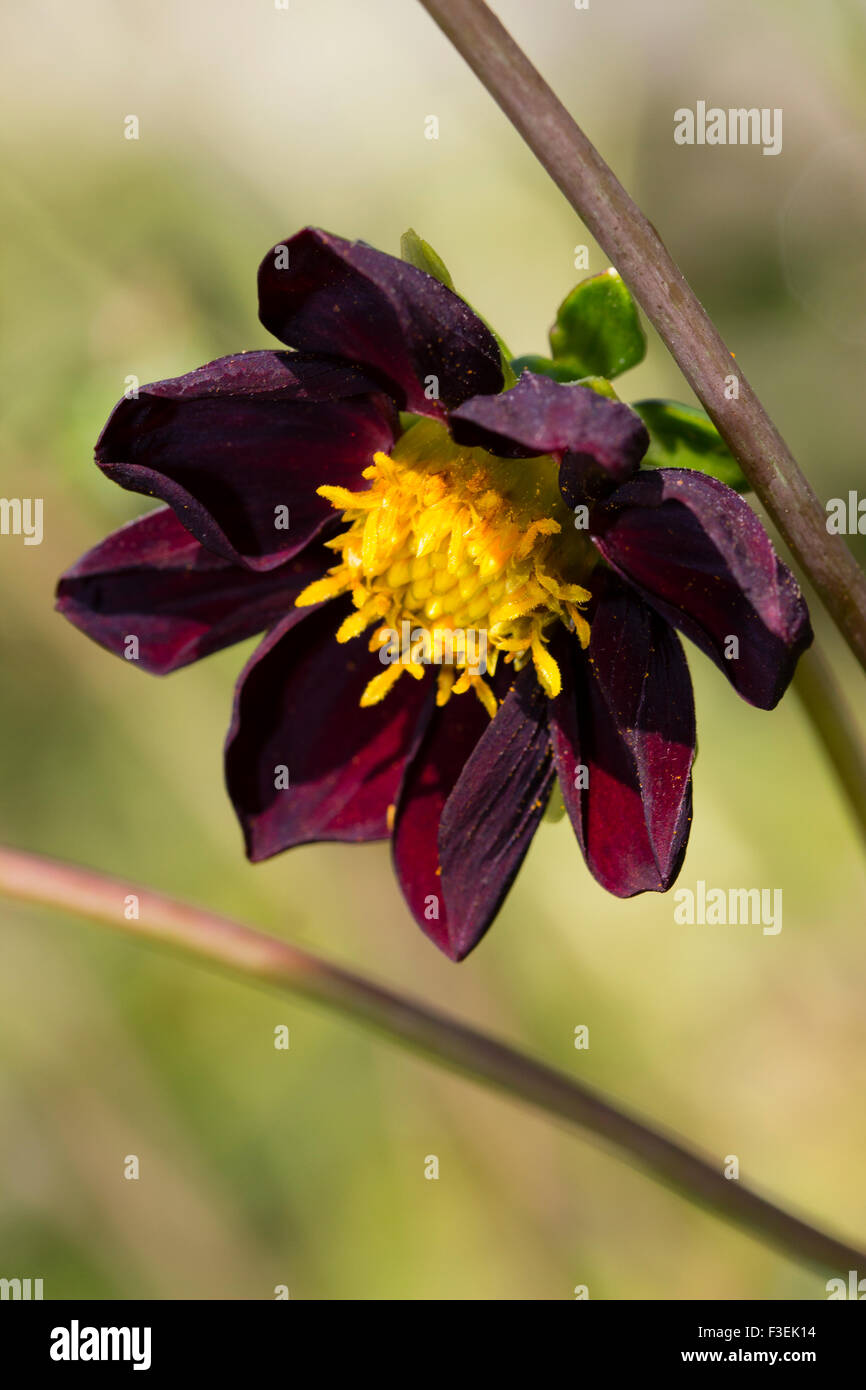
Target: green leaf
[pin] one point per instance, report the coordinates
(598, 328)
(683, 436)
(420, 253)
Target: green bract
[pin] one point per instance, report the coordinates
(683, 436)
(600, 385)
(597, 328)
(563, 370)
(420, 253)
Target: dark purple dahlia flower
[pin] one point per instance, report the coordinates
(509, 537)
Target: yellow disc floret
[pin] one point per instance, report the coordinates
(456, 556)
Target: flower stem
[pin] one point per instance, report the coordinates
(248, 954)
(835, 726)
(638, 253)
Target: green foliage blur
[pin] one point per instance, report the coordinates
(306, 1167)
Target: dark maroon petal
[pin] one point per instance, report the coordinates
(473, 796)
(698, 553)
(228, 445)
(624, 724)
(350, 301)
(541, 416)
(151, 580)
(450, 738)
(297, 707)
(493, 812)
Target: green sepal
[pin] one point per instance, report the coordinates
(600, 385)
(564, 370)
(509, 377)
(408, 419)
(420, 253)
(684, 436)
(597, 326)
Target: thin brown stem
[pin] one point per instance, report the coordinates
(835, 726)
(636, 250)
(248, 954)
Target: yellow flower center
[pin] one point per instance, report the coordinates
(471, 557)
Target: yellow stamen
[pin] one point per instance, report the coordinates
(444, 684)
(355, 624)
(581, 626)
(485, 694)
(322, 589)
(378, 687)
(547, 669)
(478, 555)
(546, 527)
(344, 500)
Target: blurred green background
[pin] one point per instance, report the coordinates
(306, 1167)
